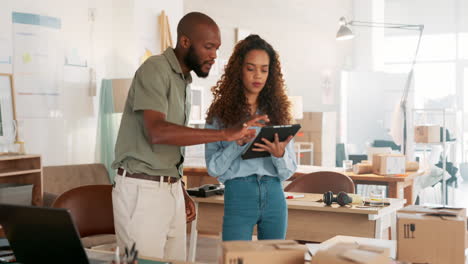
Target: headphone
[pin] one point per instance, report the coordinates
(342, 198)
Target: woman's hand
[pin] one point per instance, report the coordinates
(276, 148)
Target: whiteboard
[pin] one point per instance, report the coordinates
(7, 112)
(37, 64)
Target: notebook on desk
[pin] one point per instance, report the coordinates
(43, 235)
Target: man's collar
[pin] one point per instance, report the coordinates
(175, 65)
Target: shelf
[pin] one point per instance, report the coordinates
(445, 118)
(25, 169)
(11, 172)
(17, 157)
(435, 143)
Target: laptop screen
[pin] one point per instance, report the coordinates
(42, 235)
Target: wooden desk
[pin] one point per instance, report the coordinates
(197, 176)
(397, 185)
(394, 183)
(307, 219)
(23, 169)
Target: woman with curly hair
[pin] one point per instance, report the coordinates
(251, 85)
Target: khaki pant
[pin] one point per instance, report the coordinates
(151, 214)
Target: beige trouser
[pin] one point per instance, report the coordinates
(151, 214)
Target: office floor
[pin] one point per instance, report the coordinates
(207, 249)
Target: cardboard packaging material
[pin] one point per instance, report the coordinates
(263, 251)
(312, 121)
(427, 134)
(366, 167)
(352, 253)
(412, 166)
(362, 168)
(466, 239)
(388, 164)
(318, 128)
(431, 235)
(466, 234)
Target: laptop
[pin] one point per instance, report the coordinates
(43, 235)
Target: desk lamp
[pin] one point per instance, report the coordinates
(345, 33)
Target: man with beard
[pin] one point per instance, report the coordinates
(151, 206)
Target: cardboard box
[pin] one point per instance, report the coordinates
(412, 166)
(319, 128)
(466, 234)
(362, 168)
(427, 134)
(309, 136)
(263, 251)
(352, 253)
(305, 159)
(431, 235)
(312, 121)
(388, 164)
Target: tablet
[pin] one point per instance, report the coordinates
(268, 132)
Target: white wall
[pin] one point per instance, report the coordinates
(303, 32)
(147, 31)
(136, 29)
(118, 28)
(70, 138)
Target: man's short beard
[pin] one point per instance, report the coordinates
(193, 62)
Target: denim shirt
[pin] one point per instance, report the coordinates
(223, 160)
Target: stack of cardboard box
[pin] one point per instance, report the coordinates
(431, 235)
(320, 129)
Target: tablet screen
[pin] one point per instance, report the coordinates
(268, 132)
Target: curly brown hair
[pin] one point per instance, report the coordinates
(230, 104)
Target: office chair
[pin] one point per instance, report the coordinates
(321, 182)
(91, 209)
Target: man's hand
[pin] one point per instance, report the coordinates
(189, 207)
(276, 148)
(245, 140)
(243, 130)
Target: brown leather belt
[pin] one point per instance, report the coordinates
(144, 176)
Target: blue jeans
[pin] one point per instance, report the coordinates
(254, 200)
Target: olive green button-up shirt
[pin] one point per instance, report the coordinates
(158, 85)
